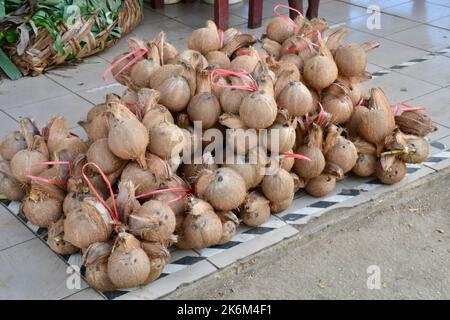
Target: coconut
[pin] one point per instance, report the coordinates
(128, 264)
(378, 122)
(343, 154)
(352, 125)
(365, 165)
(339, 106)
(59, 138)
(231, 99)
(141, 71)
(390, 169)
(278, 185)
(166, 140)
(56, 241)
(73, 200)
(223, 188)
(11, 144)
(415, 122)
(272, 48)
(229, 226)
(95, 259)
(277, 207)
(125, 127)
(255, 210)
(174, 83)
(179, 206)
(299, 183)
(9, 186)
(321, 185)
(205, 39)
(192, 57)
(280, 137)
(279, 29)
(294, 59)
(296, 98)
(312, 150)
(150, 179)
(201, 228)
(418, 149)
(259, 109)
(239, 138)
(204, 106)
(23, 162)
(100, 154)
(159, 256)
(351, 59)
(190, 171)
(285, 73)
(287, 162)
(41, 210)
(154, 221)
(320, 71)
(218, 58)
(88, 223)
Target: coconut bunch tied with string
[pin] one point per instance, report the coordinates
(201, 140)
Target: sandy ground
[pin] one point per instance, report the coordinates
(406, 237)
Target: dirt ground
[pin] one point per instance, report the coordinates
(406, 237)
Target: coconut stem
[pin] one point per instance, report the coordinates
(393, 152)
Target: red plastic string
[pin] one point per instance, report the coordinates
(405, 107)
(291, 22)
(301, 46)
(321, 114)
(243, 52)
(319, 36)
(244, 75)
(307, 120)
(221, 38)
(296, 156)
(113, 213)
(178, 198)
(143, 52)
(361, 100)
(45, 163)
(152, 193)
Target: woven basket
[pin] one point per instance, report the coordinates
(41, 54)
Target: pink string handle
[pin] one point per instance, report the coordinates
(307, 120)
(242, 52)
(301, 46)
(143, 52)
(361, 100)
(113, 213)
(405, 107)
(178, 198)
(321, 114)
(168, 190)
(244, 75)
(221, 34)
(45, 180)
(296, 156)
(291, 22)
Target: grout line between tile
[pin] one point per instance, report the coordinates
(8, 115)
(22, 242)
(75, 93)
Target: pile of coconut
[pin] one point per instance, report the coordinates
(125, 195)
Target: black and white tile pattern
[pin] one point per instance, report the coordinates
(410, 63)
